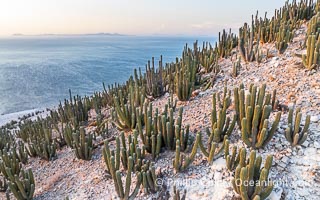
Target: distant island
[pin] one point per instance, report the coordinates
(86, 34)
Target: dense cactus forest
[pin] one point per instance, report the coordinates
(128, 140)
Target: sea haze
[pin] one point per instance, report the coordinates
(37, 71)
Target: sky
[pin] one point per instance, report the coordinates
(133, 17)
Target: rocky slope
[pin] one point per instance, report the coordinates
(296, 171)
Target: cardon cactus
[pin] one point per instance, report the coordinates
(124, 114)
(227, 41)
(20, 153)
(180, 162)
(150, 136)
(220, 123)
(257, 133)
(294, 133)
(9, 165)
(284, 36)
(236, 67)
(22, 186)
(233, 160)
(250, 181)
(177, 195)
(256, 96)
(130, 148)
(149, 178)
(124, 191)
(246, 42)
(155, 85)
(312, 58)
(172, 130)
(82, 144)
(186, 73)
(212, 151)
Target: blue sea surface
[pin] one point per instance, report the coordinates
(37, 71)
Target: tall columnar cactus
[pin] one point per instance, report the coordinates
(246, 42)
(236, 67)
(236, 158)
(21, 153)
(155, 85)
(220, 123)
(130, 148)
(149, 178)
(150, 137)
(124, 191)
(208, 57)
(257, 133)
(180, 162)
(250, 181)
(124, 115)
(227, 41)
(22, 186)
(255, 97)
(9, 165)
(212, 151)
(294, 133)
(186, 73)
(312, 58)
(177, 195)
(75, 110)
(284, 36)
(67, 135)
(6, 139)
(82, 144)
(314, 25)
(172, 130)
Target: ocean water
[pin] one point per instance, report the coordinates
(37, 72)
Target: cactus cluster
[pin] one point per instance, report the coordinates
(284, 36)
(155, 86)
(312, 59)
(149, 178)
(246, 46)
(253, 113)
(177, 195)
(186, 73)
(38, 136)
(22, 186)
(221, 125)
(132, 158)
(20, 182)
(236, 67)
(9, 165)
(124, 114)
(130, 148)
(124, 191)
(208, 57)
(227, 41)
(82, 144)
(251, 181)
(213, 151)
(233, 160)
(181, 162)
(75, 110)
(150, 137)
(294, 133)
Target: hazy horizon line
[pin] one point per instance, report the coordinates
(107, 34)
